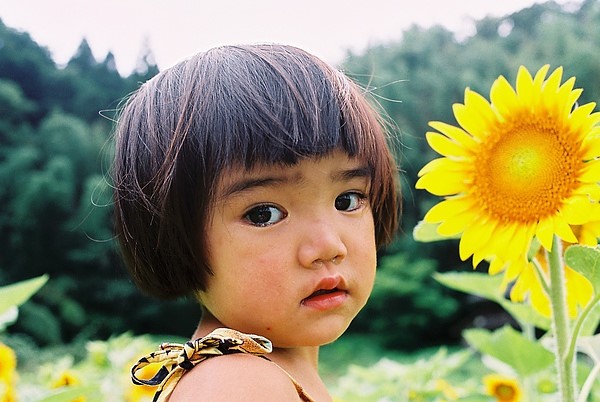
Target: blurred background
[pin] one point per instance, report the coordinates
(59, 91)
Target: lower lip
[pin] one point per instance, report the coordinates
(326, 301)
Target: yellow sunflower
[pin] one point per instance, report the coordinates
(7, 392)
(8, 363)
(579, 290)
(504, 389)
(524, 165)
(141, 393)
(66, 378)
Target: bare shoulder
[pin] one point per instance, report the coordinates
(236, 377)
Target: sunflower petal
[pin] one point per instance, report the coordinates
(456, 224)
(474, 237)
(442, 164)
(545, 233)
(441, 183)
(457, 134)
(552, 84)
(447, 208)
(579, 291)
(591, 172)
(591, 146)
(562, 229)
(444, 146)
(524, 86)
(496, 266)
(503, 96)
(468, 115)
(577, 210)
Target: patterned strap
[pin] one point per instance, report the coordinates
(177, 358)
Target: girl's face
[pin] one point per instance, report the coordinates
(292, 250)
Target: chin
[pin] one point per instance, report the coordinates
(328, 333)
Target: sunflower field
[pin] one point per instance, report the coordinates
(490, 291)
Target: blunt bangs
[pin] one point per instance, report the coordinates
(285, 111)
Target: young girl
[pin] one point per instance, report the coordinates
(258, 179)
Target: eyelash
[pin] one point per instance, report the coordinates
(261, 215)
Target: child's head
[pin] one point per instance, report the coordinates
(229, 108)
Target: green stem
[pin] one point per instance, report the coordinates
(589, 383)
(579, 324)
(565, 365)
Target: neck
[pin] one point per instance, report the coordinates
(282, 356)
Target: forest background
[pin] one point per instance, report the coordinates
(56, 148)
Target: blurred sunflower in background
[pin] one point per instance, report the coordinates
(503, 388)
(8, 372)
(524, 166)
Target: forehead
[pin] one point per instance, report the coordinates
(336, 166)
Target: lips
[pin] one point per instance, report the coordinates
(329, 293)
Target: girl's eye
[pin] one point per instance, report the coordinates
(350, 201)
(264, 215)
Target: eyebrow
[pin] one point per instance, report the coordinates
(271, 181)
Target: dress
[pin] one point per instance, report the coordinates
(176, 359)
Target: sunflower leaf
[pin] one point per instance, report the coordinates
(74, 392)
(590, 325)
(524, 313)
(475, 283)
(525, 356)
(489, 287)
(18, 293)
(586, 261)
(426, 232)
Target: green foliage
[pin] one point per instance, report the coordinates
(426, 379)
(406, 307)
(489, 287)
(18, 293)
(526, 356)
(586, 261)
(55, 150)
(12, 296)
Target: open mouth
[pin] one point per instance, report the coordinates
(325, 299)
(321, 292)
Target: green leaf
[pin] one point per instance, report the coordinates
(525, 356)
(489, 287)
(586, 261)
(8, 317)
(18, 293)
(89, 392)
(475, 283)
(427, 232)
(525, 313)
(592, 320)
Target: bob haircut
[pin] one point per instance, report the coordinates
(230, 107)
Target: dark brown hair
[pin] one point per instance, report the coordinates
(231, 106)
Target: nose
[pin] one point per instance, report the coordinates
(321, 243)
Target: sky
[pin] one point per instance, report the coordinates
(176, 29)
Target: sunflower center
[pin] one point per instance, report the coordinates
(525, 169)
(505, 392)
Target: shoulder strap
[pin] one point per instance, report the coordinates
(301, 392)
(178, 358)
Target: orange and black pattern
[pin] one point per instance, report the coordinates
(177, 358)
